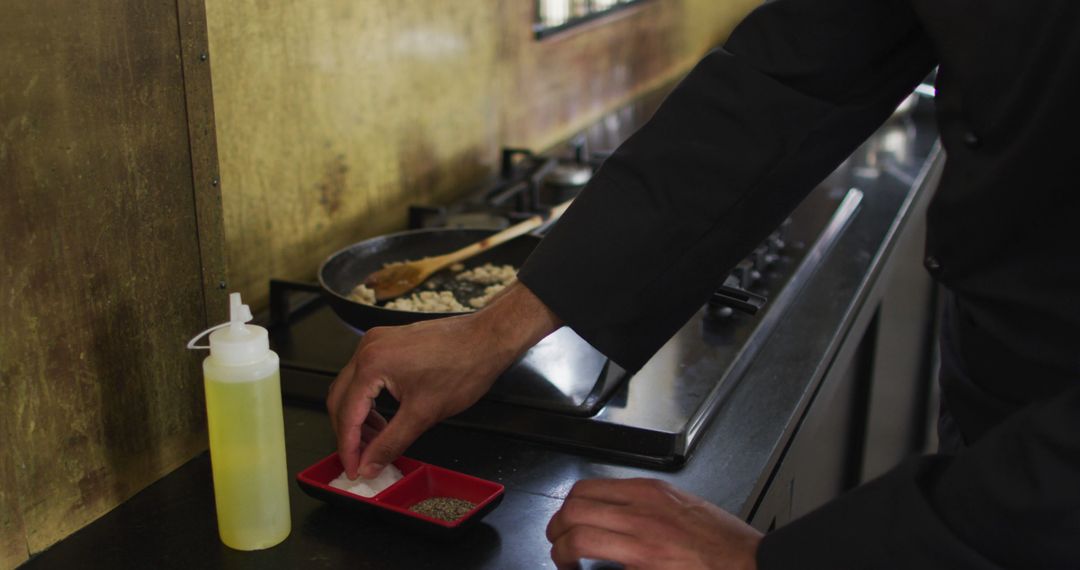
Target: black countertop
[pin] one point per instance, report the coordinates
(171, 524)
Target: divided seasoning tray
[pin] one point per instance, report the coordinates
(419, 481)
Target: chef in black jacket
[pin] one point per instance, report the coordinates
(752, 129)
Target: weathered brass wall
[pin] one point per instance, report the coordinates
(101, 270)
(331, 117)
(334, 115)
(13, 549)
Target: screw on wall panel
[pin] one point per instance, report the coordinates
(203, 56)
(221, 284)
(214, 182)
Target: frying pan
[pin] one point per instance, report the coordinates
(342, 271)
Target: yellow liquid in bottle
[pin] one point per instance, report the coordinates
(247, 452)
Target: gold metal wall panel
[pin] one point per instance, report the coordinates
(13, 550)
(333, 116)
(100, 267)
(330, 118)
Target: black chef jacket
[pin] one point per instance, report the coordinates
(755, 126)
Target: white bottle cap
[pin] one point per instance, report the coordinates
(235, 343)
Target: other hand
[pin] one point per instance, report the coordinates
(434, 369)
(646, 523)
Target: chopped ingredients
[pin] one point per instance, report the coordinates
(428, 302)
(464, 292)
(489, 292)
(361, 294)
(488, 274)
(446, 509)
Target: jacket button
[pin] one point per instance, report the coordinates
(932, 264)
(972, 140)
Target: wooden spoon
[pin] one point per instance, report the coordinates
(396, 279)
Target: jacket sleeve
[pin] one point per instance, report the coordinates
(1011, 500)
(734, 148)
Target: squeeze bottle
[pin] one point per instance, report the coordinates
(247, 432)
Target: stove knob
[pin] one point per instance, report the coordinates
(721, 312)
(764, 258)
(746, 274)
(727, 299)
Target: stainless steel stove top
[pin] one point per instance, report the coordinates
(564, 393)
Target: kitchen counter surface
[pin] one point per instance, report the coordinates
(171, 524)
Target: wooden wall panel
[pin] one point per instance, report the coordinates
(13, 549)
(333, 116)
(100, 270)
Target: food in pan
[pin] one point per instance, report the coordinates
(368, 487)
(489, 274)
(428, 302)
(489, 292)
(361, 294)
(461, 292)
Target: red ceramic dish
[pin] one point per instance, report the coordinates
(419, 481)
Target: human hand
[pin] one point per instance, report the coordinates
(434, 369)
(646, 523)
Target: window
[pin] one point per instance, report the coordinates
(554, 16)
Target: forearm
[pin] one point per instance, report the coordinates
(514, 321)
(434, 369)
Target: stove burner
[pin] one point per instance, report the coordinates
(569, 174)
(562, 374)
(564, 392)
(576, 171)
(527, 184)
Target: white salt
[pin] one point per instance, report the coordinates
(368, 487)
